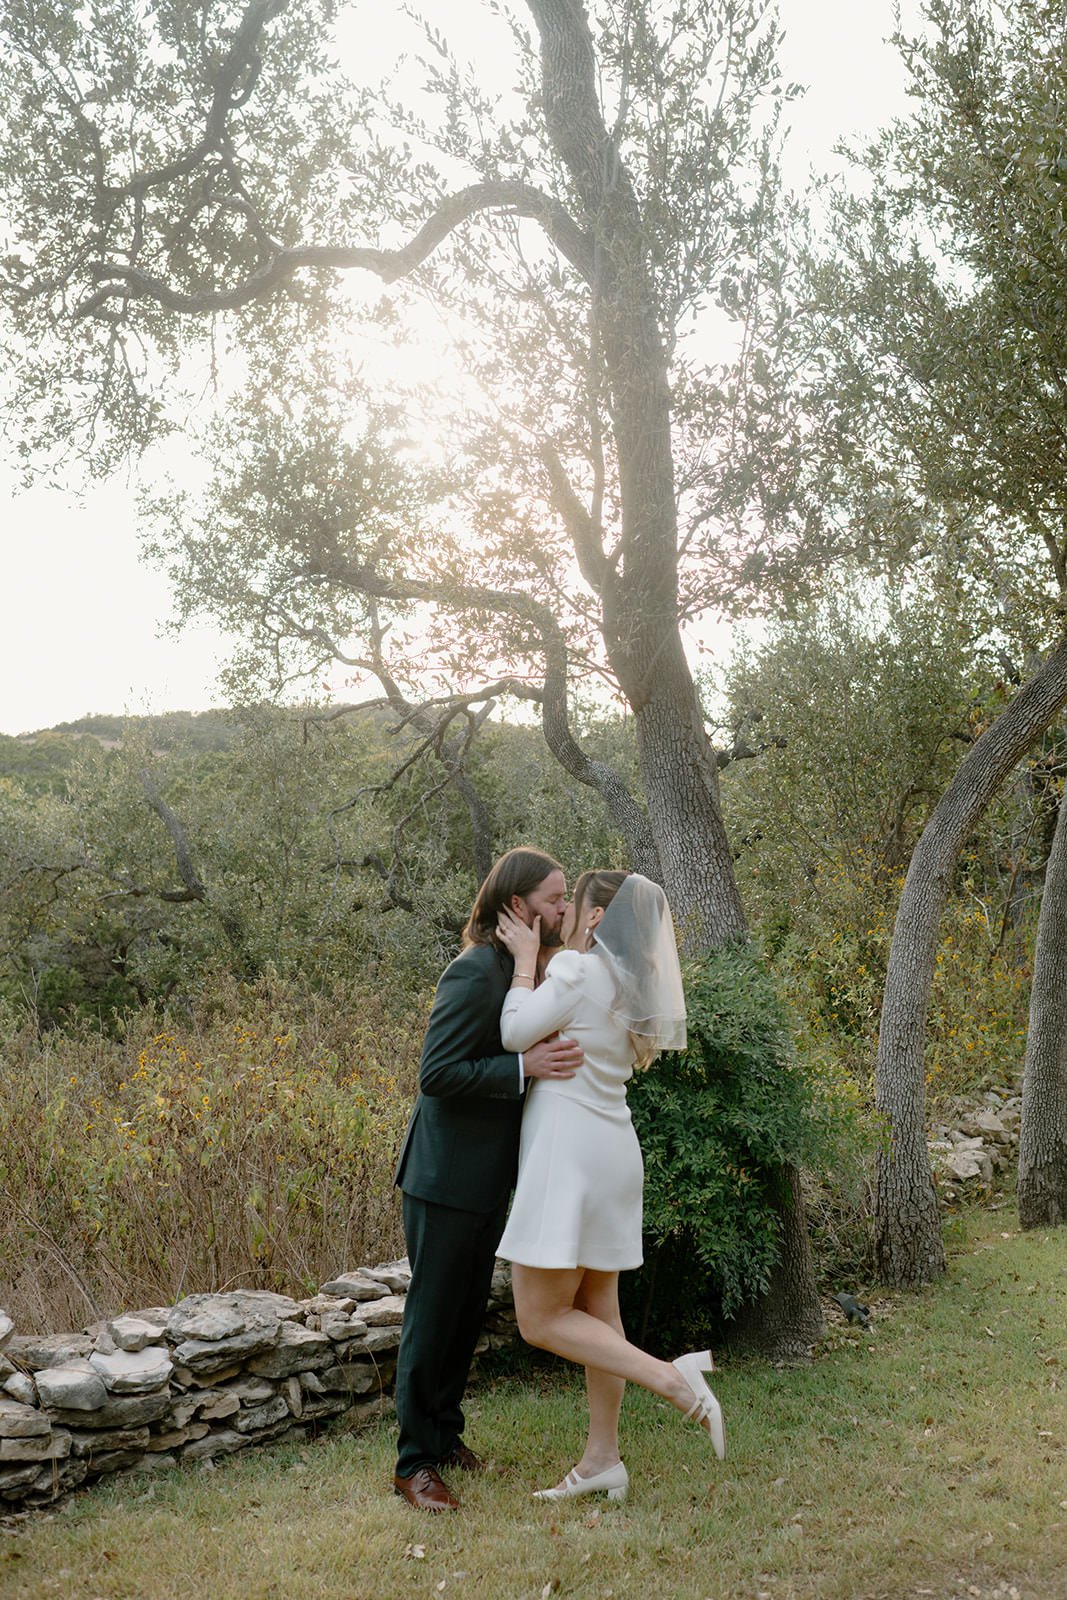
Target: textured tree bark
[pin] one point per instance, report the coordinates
(787, 1322)
(1042, 1194)
(681, 781)
(908, 1244)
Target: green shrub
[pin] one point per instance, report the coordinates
(717, 1123)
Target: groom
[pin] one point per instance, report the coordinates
(457, 1169)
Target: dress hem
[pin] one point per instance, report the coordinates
(527, 1259)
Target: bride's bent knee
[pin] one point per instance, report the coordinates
(533, 1323)
(542, 1296)
(536, 1320)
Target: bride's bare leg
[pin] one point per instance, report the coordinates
(598, 1294)
(550, 1319)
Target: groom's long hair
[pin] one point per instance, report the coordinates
(518, 872)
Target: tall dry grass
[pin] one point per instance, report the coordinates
(249, 1143)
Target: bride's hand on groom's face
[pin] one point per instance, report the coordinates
(523, 942)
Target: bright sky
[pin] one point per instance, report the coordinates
(82, 616)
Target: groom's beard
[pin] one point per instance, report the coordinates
(551, 940)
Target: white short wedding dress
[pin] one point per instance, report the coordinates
(578, 1199)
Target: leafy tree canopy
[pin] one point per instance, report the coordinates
(943, 405)
(195, 184)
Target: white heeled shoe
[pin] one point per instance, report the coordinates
(705, 1408)
(614, 1480)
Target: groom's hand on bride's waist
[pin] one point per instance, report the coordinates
(552, 1058)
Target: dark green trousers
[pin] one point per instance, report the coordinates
(451, 1254)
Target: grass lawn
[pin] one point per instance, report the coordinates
(926, 1457)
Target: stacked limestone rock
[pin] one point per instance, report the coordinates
(978, 1144)
(193, 1381)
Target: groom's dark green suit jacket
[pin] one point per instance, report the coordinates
(462, 1143)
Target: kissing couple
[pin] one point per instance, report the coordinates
(536, 1027)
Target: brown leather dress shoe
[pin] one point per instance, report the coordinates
(426, 1491)
(466, 1460)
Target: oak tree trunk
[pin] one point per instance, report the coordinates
(639, 593)
(1043, 1136)
(787, 1321)
(908, 1244)
(681, 784)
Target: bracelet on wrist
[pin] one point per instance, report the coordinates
(523, 975)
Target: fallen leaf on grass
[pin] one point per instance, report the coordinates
(416, 1552)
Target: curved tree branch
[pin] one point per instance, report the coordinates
(452, 751)
(195, 888)
(241, 63)
(585, 531)
(629, 816)
(123, 281)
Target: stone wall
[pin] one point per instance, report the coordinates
(213, 1374)
(976, 1147)
(218, 1372)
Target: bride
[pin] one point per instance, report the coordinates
(575, 1222)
